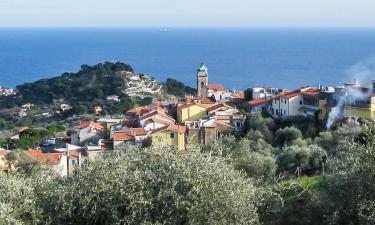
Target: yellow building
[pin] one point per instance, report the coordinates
(191, 112)
(364, 110)
(171, 134)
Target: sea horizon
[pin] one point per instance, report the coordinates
(238, 57)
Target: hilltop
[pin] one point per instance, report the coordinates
(114, 86)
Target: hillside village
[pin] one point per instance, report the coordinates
(204, 118)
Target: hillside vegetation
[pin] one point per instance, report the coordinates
(267, 177)
(90, 87)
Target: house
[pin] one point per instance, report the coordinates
(264, 92)
(207, 131)
(170, 135)
(155, 119)
(137, 112)
(191, 112)
(90, 131)
(301, 102)
(22, 113)
(107, 124)
(21, 131)
(98, 110)
(65, 107)
(213, 88)
(113, 98)
(134, 136)
(227, 115)
(258, 105)
(58, 162)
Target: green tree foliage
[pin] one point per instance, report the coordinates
(256, 122)
(351, 185)
(287, 136)
(301, 159)
(54, 128)
(89, 84)
(332, 140)
(174, 87)
(135, 186)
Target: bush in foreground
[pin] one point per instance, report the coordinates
(143, 186)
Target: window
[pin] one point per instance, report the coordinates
(238, 124)
(277, 112)
(285, 101)
(74, 162)
(172, 135)
(284, 112)
(300, 102)
(202, 83)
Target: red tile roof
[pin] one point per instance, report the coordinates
(36, 154)
(129, 134)
(216, 87)
(53, 158)
(3, 153)
(123, 136)
(218, 106)
(86, 124)
(258, 101)
(171, 127)
(140, 109)
(156, 112)
(312, 91)
(139, 131)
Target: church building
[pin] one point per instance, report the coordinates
(203, 88)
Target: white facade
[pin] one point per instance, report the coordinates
(285, 107)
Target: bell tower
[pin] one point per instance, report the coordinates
(202, 81)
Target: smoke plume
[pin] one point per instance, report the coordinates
(362, 73)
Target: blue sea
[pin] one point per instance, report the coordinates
(236, 57)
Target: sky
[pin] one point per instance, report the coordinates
(187, 13)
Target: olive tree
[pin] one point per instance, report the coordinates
(298, 159)
(351, 185)
(287, 136)
(150, 186)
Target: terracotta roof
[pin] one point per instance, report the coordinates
(312, 91)
(171, 127)
(218, 106)
(288, 95)
(258, 101)
(36, 154)
(139, 109)
(86, 124)
(53, 158)
(216, 87)
(123, 136)
(156, 112)
(3, 153)
(139, 131)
